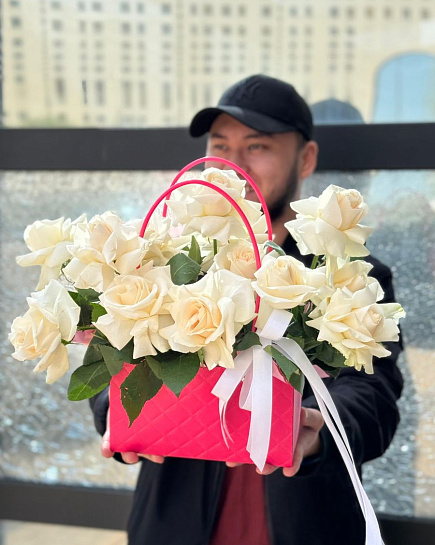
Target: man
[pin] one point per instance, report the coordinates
(265, 127)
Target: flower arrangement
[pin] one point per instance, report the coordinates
(178, 292)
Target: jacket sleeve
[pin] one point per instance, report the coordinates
(100, 405)
(367, 404)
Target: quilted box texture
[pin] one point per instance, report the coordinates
(189, 426)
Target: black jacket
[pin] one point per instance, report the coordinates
(175, 503)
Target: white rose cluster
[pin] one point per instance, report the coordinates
(52, 318)
(135, 284)
(329, 225)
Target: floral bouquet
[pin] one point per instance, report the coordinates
(202, 304)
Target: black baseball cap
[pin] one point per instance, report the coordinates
(263, 103)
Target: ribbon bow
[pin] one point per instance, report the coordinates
(257, 368)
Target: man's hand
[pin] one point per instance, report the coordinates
(127, 457)
(308, 443)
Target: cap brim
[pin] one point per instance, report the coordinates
(204, 119)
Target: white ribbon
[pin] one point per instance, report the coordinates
(256, 366)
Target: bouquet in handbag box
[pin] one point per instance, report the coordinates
(203, 327)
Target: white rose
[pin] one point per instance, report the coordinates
(208, 314)
(161, 243)
(329, 225)
(51, 318)
(137, 307)
(47, 241)
(284, 282)
(238, 257)
(103, 247)
(203, 210)
(355, 324)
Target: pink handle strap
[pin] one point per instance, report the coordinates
(240, 171)
(224, 194)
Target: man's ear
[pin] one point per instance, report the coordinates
(308, 159)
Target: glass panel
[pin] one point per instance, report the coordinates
(402, 210)
(49, 439)
(155, 63)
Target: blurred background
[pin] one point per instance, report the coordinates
(113, 82)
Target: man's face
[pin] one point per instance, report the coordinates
(271, 160)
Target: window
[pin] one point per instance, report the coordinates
(141, 28)
(166, 8)
(208, 10)
(166, 95)
(140, 8)
(55, 5)
(124, 7)
(126, 91)
(333, 12)
(350, 12)
(100, 92)
(59, 86)
(388, 13)
(97, 6)
(406, 13)
(166, 29)
(16, 22)
(82, 26)
(226, 10)
(98, 27)
(142, 94)
(125, 28)
(266, 12)
(425, 14)
(57, 25)
(294, 12)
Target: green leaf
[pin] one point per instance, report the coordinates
(326, 353)
(175, 369)
(183, 269)
(92, 354)
(85, 318)
(274, 246)
(286, 365)
(249, 339)
(89, 295)
(97, 311)
(86, 381)
(112, 358)
(140, 386)
(195, 251)
(297, 380)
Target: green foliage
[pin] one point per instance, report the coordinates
(288, 368)
(174, 369)
(88, 380)
(249, 339)
(184, 270)
(140, 386)
(87, 301)
(274, 246)
(195, 251)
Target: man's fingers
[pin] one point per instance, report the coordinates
(153, 458)
(105, 445)
(267, 469)
(311, 418)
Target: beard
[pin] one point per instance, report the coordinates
(282, 201)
